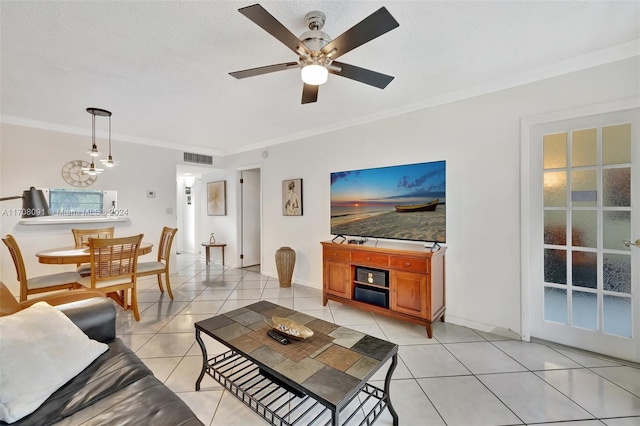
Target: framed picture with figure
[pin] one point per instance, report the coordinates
(217, 198)
(292, 197)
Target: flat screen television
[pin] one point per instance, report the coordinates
(404, 202)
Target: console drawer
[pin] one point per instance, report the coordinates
(370, 258)
(411, 264)
(336, 254)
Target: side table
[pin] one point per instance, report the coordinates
(208, 246)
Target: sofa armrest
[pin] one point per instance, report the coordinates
(96, 317)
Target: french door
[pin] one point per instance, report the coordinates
(585, 233)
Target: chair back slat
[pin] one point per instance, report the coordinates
(81, 236)
(166, 239)
(113, 258)
(16, 256)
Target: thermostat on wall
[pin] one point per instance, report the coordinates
(151, 194)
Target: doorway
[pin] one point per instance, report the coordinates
(250, 219)
(584, 271)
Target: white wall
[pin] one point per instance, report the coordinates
(34, 157)
(225, 228)
(479, 138)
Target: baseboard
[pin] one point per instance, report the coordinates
(483, 327)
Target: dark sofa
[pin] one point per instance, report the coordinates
(116, 389)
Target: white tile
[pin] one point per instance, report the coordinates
(184, 295)
(323, 314)
(210, 307)
(401, 371)
(370, 329)
(230, 305)
(431, 361)
(403, 332)
(286, 303)
(162, 367)
(277, 293)
(213, 295)
(411, 404)
(625, 421)
(348, 317)
(308, 303)
(135, 341)
(587, 360)
(626, 377)
(166, 308)
(167, 345)
(491, 336)
(202, 403)
(212, 346)
(252, 293)
(232, 412)
(532, 399)
(592, 392)
(451, 333)
(183, 323)
(192, 285)
(483, 358)
(184, 376)
(535, 356)
(576, 423)
(304, 291)
(147, 324)
(464, 401)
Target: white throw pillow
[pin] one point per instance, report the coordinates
(40, 350)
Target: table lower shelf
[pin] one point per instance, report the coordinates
(279, 406)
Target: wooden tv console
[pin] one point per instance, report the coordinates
(416, 291)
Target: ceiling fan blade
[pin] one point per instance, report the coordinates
(376, 24)
(309, 93)
(362, 75)
(267, 22)
(264, 70)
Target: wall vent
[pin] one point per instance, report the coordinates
(190, 157)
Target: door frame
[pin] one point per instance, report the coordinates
(239, 218)
(526, 149)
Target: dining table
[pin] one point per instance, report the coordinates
(73, 255)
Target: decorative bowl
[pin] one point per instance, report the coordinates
(289, 328)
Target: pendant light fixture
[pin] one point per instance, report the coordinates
(109, 161)
(93, 152)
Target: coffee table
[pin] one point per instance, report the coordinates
(306, 382)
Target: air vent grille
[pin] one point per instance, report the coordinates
(190, 157)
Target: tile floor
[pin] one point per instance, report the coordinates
(460, 377)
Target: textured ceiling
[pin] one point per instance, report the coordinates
(162, 67)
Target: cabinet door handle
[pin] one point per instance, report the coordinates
(368, 258)
(335, 253)
(407, 264)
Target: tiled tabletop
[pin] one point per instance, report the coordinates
(332, 364)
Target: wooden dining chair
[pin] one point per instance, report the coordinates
(41, 284)
(113, 269)
(161, 266)
(81, 238)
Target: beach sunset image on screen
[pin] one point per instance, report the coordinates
(404, 202)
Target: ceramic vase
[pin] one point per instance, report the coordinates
(285, 261)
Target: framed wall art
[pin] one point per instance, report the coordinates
(292, 197)
(217, 198)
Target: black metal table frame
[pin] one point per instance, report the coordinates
(243, 377)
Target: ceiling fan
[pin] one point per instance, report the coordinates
(317, 53)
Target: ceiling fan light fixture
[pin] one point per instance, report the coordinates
(314, 74)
